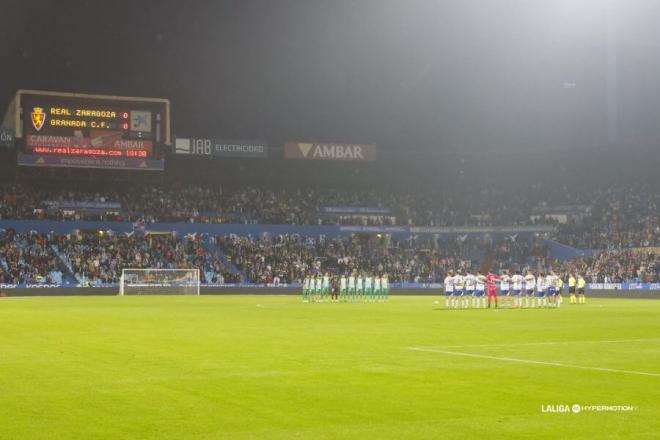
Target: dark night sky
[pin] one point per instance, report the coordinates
(455, 75)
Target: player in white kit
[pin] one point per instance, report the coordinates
(541, 300)
(481, 290)
(530, 283)
(517, 281)
(449, 288)
(458, 289)
(505, 281)
(470, 284)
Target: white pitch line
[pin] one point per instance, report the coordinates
(529, 361)
(522, 344)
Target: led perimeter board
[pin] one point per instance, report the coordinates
(74, 124)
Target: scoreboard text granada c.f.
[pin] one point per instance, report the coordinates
(92, 125)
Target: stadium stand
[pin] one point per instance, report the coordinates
(618, 216)
(610, 230)
(96, 259)
(27, 259)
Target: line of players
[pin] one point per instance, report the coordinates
(357, 287)
(463, 290)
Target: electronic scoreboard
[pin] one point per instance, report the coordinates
(72, 124)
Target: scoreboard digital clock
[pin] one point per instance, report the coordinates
(72, 124)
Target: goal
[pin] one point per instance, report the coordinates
(159, 282)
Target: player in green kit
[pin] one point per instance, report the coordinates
(310, 288)
(325, 293)
(351, 287)
(377, 288)
(385, 286)
(305, 289)
(359, 287)
(311, 285)
(318, 288)
(369, 287)
(342, 288)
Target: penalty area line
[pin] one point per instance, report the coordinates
(523, 344)
(530, 361)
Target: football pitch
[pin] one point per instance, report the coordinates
(271, 367)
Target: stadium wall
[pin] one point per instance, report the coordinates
(261, 290)
(65, 227)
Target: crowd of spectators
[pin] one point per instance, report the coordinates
(621, 217)
(613, 217)
(27, 259)
(99, 258)
(288, 258)
(179, 202)
(618, 265)
(511, 253)
(217, 204)
(620, 221)
(94, 258)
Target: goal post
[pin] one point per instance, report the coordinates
(159, 282)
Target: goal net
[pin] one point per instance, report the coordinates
(159, 282)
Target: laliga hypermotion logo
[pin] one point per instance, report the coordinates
(38, 118)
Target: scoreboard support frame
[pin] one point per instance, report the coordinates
(17, 117)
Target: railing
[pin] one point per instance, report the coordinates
(67, 264)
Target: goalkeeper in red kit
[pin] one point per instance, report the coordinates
(491, 280)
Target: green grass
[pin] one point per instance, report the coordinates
(240, 367)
